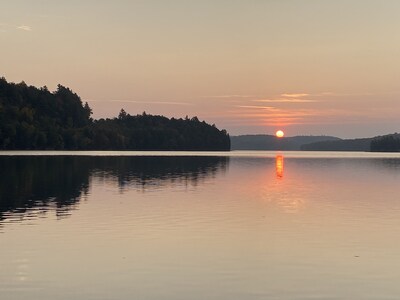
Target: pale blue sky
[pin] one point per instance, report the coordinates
(308, 67)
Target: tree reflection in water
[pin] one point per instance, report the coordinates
(32, 185)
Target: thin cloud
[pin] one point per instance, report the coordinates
(294, 100)
(259, 116)
(299, 95)
(334, 94)
(5, 27)
(279, 115)
(257, 107)
(272, 115)
(145, 102)
(229, 96)
(25, 28)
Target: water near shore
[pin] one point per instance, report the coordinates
(173, 225)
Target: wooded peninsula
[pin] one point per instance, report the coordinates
(37, 119)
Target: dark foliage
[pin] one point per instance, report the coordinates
(147, 132)
(386, 143)
(32, 118)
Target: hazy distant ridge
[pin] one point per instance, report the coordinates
(363, 144)
(271, 142)
(385, 143)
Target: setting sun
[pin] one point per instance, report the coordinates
(279, 133)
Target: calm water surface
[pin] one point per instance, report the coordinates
(250, 225)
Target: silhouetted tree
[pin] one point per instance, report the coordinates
(32, 118)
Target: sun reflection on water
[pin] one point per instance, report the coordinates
(279, 166)
(288, 194)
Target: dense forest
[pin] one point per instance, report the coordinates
(386, 143)
(36, 119)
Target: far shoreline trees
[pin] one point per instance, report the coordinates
(386, 143)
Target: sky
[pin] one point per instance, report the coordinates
(308, 67)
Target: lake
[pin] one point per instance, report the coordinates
(190, 225)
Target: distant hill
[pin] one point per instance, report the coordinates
(271, 142)
(385, 143)
(363, 144)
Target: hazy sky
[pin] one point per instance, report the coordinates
(304, 66)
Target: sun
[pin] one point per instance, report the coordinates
(279, 134)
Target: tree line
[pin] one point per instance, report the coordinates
(386, 143)
(36, 119)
